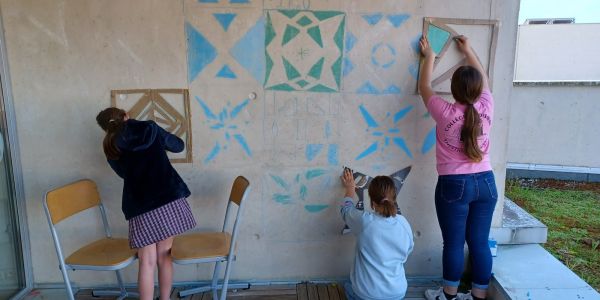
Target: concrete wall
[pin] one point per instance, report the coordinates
(555, 125)
(66, 56)
(561, 52)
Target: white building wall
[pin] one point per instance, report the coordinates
(560, 52)
(555, 103)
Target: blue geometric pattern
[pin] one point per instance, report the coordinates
(226, 72)
(249, 50)
(369, 88)
(349, 44)
(398, 19)
(429, 141)
(200, 51)
(384, 136)
(225, 122)
(296, 190)
(383, 54)
(373, 19)
(225, 19)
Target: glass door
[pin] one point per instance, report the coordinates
(15, 260)
(11, 266)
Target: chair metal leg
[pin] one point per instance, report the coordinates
(226, 280)
(120, 281)
(121, 293)
(215, 280)
(64, 271)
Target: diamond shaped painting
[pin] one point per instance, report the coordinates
(169, 108)
(304, 50)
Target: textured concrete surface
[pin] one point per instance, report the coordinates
(518, 227)
(529, 272)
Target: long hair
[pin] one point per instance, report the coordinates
(111, 120)
(382, 191)
(466, 87)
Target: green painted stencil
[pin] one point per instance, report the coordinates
(315, 34)
(316, 69)
(290, 71)
(290, 33)
(437, 38)
(304, 21)
(299, 52)
(324, 15)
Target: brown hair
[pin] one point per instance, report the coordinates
(112, 121)
(382, 192)
(466, 87)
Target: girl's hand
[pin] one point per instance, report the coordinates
(463, 44)
(348, 182)
(426, 50)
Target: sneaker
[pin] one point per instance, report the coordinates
(439, 295)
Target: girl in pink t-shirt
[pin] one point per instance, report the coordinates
(465, 194)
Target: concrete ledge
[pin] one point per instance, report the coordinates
(530, 272)
(544, 171)
(518, 227)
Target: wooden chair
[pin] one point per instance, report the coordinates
(217, 247)
(106, 254)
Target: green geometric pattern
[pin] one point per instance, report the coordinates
(304, 50)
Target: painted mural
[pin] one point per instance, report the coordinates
(334, 87)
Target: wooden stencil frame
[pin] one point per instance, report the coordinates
(154, 95)
(443, 23)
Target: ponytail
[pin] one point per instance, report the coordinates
(466, 87)
(111, 120)
(388, 209)
(469, 133)
(382, 192)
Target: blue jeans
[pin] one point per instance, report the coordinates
(465, 205)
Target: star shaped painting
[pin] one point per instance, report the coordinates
(304, 50)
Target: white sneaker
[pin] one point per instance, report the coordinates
(439, 295)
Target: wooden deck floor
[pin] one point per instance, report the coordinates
(301, 291)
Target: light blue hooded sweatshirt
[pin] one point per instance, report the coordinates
(382, 247)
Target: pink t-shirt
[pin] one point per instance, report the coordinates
(449, 118)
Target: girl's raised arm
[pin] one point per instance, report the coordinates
(426, 70)
(465, 47)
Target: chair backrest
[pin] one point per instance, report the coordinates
(239, 189)
(70, 199)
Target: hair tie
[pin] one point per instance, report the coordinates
(384, 199)
(112, 121)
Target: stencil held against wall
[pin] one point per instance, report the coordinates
(362, 182)
(482, 34)
(169, 108)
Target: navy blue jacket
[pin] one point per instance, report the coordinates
(150, 179)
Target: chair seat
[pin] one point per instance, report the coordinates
(109, 253)
(198, 246)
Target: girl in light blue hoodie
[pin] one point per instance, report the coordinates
(384, 240)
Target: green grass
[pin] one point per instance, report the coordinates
(572, 214)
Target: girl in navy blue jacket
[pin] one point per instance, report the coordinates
(154, 195)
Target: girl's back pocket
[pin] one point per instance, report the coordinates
(452, 190)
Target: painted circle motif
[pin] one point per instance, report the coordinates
(383, 55)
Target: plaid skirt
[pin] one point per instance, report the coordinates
(161, 223)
